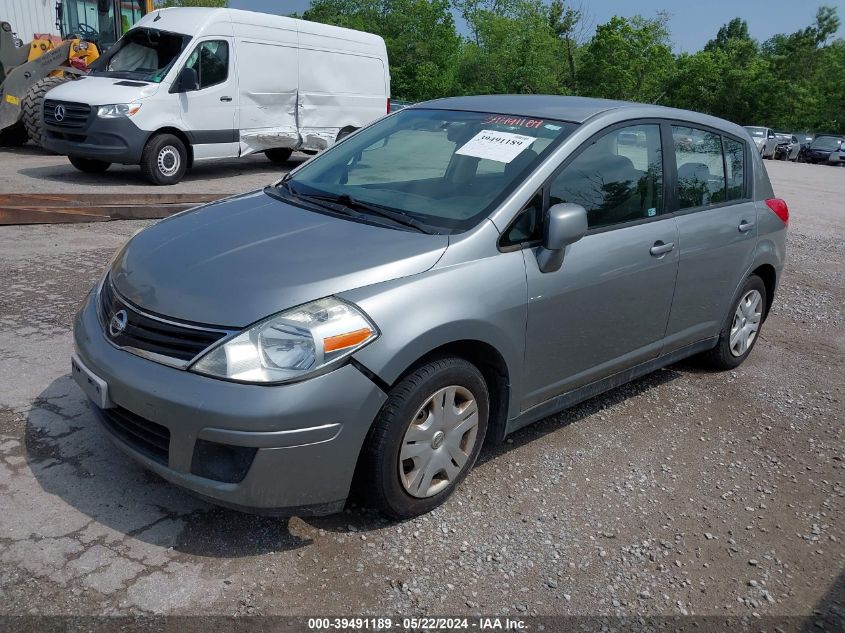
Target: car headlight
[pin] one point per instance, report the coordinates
(117, 110)
(292, 345)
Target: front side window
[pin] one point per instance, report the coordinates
(210, 60)
(735, 162)
(701, 170)
(143, 54)
(443, 168)
(617, 178)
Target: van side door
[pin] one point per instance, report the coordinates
(209, 109)
(717, 230)
(605, 310)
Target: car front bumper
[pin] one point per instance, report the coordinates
(298, 443)
(116, 140)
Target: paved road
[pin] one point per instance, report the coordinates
(30, 170)
(683, 492)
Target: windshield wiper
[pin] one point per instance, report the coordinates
(400, 217)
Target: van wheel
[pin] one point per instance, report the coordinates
(741, 328)
(344, 133)
(278, 155)
(89, 165)
(164, 159)
(426, 438)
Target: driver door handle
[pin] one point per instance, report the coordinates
(659, 249)
(225, 98)
(745, 226)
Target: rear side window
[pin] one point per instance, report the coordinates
(617, 178)
(701, 170)
(735, 163)
(210, 60)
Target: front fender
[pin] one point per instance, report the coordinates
(482, 300)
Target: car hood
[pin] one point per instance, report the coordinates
(103, 90)
(233, 262)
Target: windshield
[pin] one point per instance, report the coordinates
(442, 168)
(826, 142)
(756, 131)
(144, 54)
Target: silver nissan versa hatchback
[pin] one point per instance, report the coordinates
(447, 275)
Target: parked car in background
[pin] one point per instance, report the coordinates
(788, 146)
(765, 140)
(387, 306)
(192, 84)
(825, 148)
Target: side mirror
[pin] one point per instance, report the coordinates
(566, 223)
(187, 80)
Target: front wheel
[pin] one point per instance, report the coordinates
(741, 328)
(164, 159)
(426, 438)
(89, 165)
(278, 154)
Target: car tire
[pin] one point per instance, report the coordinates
(437, 399)
(32, 108)
(89, 165)
(738, 336)
(164, 160)
(278, 154)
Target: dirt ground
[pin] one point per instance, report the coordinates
(685, 492)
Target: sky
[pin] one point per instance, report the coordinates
(692, 24)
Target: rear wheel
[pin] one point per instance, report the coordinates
(741, 328)
(164, 159)
(426, 438)
(32, 107)
(89, 165)
(278, 154)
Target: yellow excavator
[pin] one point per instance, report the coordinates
(29, 71)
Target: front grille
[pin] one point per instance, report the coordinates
(70, 115)
(144, 332)
(148, 438)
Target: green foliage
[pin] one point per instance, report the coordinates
(793, 81)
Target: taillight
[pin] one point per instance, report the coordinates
(779, 207)
(388, 105)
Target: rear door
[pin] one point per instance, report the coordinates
(209, 115)
(606, 308)
(717, 231)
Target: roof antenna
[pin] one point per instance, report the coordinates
(157, 17)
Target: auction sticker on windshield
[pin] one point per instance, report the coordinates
(499, 146)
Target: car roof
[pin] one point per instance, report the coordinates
(574, 109)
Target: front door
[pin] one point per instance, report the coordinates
(209, 114)
(606, 308)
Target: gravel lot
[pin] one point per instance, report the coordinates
(685, 492)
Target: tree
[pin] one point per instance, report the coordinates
(628, 58)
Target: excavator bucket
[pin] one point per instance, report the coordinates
(21, 78)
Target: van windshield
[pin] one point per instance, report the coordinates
(444, 169)
(143, 54)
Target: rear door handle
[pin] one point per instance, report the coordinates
(225, 98)
(660, 248)
(745, 226)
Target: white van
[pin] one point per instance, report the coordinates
(191, 84)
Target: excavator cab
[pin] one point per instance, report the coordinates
(101, 22)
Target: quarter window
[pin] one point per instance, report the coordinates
(617, 178)
(701, 170)
(735, 163)
(210, 60)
